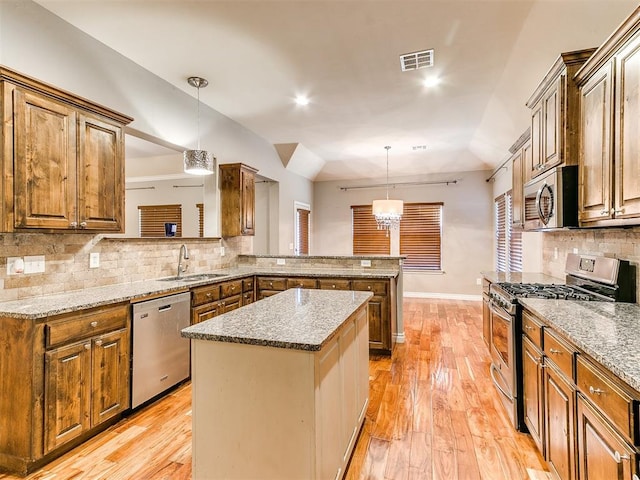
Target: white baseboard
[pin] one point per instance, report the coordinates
(399, 337)
(447, 296)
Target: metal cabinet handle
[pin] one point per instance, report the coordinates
(368, 287)
(595, 391)
(619, 457)
(87, 346)
(73, 224)
(98, 342)
(553, 350)
(333, 286)
(233, 287)
(209, 295)
(83, 224)
(271, 284)
(604, 212)
(528, 327)
(616, 211)
(94, 324)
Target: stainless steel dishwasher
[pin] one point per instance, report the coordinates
(161, 357)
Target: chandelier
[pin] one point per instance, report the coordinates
(198, 162)
(387, 212)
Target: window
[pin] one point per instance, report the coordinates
(508, 240)
(302, 230)
(153, 218)
(421, 236)
(367, 239)
(200, 207)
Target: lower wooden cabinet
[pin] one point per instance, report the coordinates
(209, 301)
(602, 453)
(533, 398)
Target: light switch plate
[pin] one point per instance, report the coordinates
(365, 263)
(94, 259)
(222, 251)
(15, 265)
(280, 261)
(34, 264)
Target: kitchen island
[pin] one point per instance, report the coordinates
(280, 387)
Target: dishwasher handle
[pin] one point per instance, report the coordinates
(164, 308)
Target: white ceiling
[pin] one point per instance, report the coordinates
(344, 54)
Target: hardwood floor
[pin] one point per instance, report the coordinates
(433, 414)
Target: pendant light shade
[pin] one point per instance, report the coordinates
(387, 212)
(198, 162)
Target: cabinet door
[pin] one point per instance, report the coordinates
(602, 453)
(204, 312)
(110, 376)
(532, 392)
(379, 328)
(536, 141)
(100, 175)
(248, 202)
(517, 193)
(552, 124)
(44, 162)
(67, 393)
(595, 175)
(559, 423)
(627, 174)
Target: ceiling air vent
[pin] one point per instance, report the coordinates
(416, 60)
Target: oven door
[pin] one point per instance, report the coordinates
(503, 358)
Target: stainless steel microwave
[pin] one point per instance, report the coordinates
(551, 200)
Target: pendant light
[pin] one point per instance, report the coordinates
(198, 162)
(387, 212)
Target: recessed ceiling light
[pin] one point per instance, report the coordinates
(302, 100)
(430, 82)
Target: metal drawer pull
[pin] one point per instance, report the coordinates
(595, 391)
(68, 359)
(604, 212)
(333, 286)
(619, 457)
(528, 327)
(98, 342)
(369, 287)
(94, 324)
(553, 350)
(73, 224)
(83, 224)
(618, 211)
(87, 346)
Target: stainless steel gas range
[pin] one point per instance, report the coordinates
(588, 278)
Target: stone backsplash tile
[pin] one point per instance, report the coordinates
(121, 260)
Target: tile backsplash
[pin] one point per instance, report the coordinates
(122, 260)
(622, 243)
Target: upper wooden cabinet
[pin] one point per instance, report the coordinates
(555, 116)
(62, 160)
(237, 199)
(609, 173)
(521, 158)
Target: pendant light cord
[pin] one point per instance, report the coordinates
(198, 117)
(387, 148)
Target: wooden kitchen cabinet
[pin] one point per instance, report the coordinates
(533, 391)
(555, 116)
(521, 157)
(209, 301)
(63, 161)
(248, 290)
(237, 199)
(609, 168)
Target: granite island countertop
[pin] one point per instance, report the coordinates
(295, 319)
(607, 331)
(521, 277)
(41, 307)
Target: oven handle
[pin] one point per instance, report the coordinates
(495, 382)
(499, 311)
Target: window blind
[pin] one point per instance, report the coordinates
(302, 222)
(367, 239)
(501, 233)
(515, 239)
(153, 218)
(200, 207)
(421, 236)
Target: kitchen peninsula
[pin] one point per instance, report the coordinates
(280, 388)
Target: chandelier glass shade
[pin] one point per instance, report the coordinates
(198, 162)
(387, 212)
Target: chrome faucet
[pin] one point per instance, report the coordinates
(183, 255)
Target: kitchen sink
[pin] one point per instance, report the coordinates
(195, 277)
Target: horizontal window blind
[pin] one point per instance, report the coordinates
(153, 218)
(302, 222)
(200, 207)
(515, 239)
(501, 233)
(421, 236)
(367, 239)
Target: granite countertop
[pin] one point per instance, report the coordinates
(521, 277)
(295, 319)
(40, 307)
(607, 331)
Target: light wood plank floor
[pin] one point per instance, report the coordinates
(433, 414)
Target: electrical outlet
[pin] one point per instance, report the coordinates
(15, 265)
(478, 281)
(555, 253)
(575, 250)
(365, 263)
(34, 264)
(94, 259)
(222, 251)
(280, 261)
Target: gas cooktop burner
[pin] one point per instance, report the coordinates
(550, 291)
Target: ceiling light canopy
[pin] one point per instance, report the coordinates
(198, 162)
(387, 212)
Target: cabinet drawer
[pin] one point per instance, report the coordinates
(606, 394)
(334, 284)
(558, 352)
(86, 324)
(269, 283)
(247, 284)
(229, 289)
(301, 283)
(377, 287)
(532, 328)
(205, 294)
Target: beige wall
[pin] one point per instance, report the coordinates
(467, 227)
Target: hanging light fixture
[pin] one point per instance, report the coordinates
(198, 162)
(387, 212)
